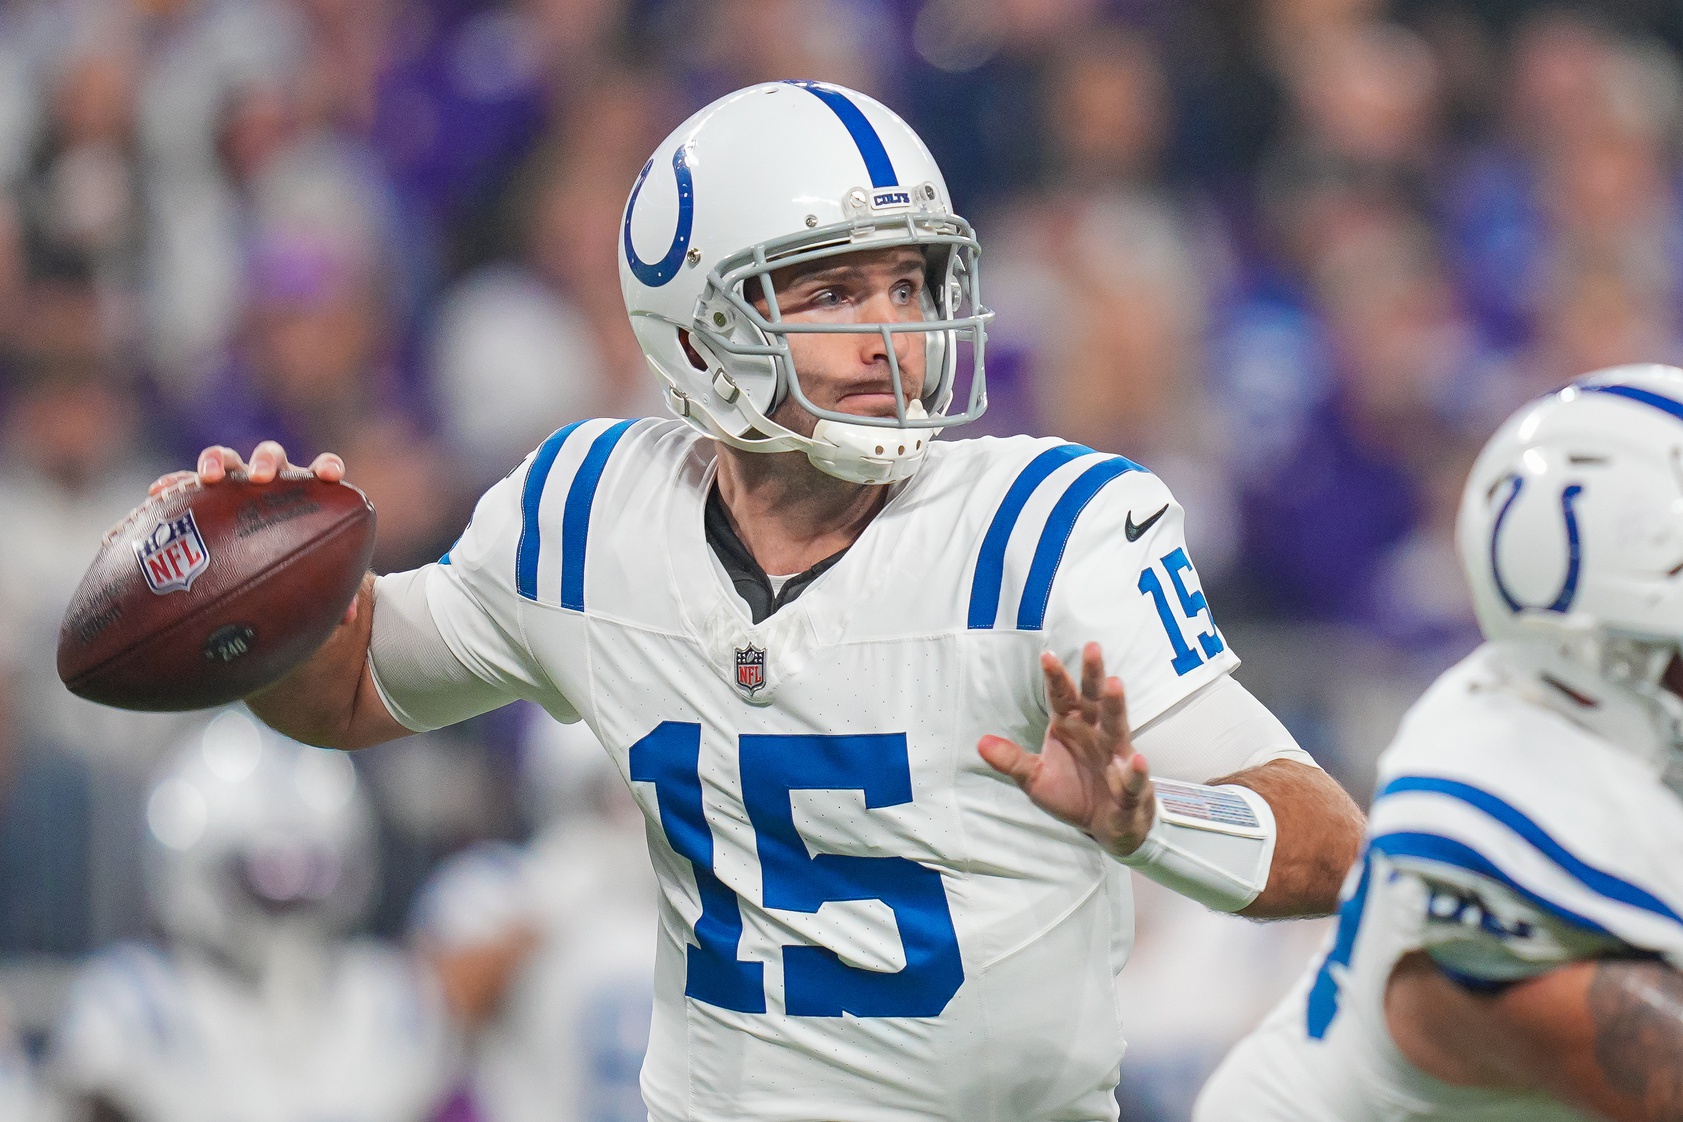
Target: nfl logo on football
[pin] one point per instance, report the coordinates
(173, 555)
(750, 668)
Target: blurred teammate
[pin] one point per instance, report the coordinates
(21, 1098)
(259, 854)
(547, 951)
(792, 616)
(1508, 948)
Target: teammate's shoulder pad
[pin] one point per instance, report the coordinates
(1576, 862)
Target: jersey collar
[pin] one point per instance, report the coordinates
(751, 581)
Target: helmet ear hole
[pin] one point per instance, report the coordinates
(690, 352)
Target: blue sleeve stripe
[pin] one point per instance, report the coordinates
(575, 517)
(1054, 538)
(1646, 397)
(526, 554)
(877, 163)
(1447, 851)
(990, 562)
(1596, 880)
(1323, 994)
(1486, 986)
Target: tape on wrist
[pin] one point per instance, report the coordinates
(1213, 844)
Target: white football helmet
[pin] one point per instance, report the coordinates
(254, 840)
(1571, 535)
(777, 175)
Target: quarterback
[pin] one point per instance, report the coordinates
(816, 641)
(1508, 948)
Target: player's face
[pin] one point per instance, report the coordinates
(850, 373)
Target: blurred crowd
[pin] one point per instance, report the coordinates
(1296, 256)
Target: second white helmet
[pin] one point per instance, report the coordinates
(778, 175)
(1571, 534)
(254, 839)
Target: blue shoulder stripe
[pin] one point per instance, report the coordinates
(1447, 851)
(575, 517)
(877, 163)
(990, 562)
(1646, 397)
(1596, 880)
(526, 553)
(1054, 538)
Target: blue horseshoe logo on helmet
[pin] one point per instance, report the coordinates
(1574, 553)
(658, 273)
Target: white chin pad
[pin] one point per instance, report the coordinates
(870, 453)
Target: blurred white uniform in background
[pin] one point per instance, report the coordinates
(259, 854)
(557, 940)
(21, 1099)
(1196, 982)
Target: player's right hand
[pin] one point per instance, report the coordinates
(268, 460)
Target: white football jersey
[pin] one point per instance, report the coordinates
(1506, 838)
(175, 1038)
(859, 918)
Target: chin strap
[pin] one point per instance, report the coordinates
(1640, 667)
(870, 453)
(1213, 844)
(1611, 685)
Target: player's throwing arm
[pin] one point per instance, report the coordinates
(329, 699)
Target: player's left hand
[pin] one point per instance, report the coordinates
(1087, 772)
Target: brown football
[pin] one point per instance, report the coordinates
(204, 594)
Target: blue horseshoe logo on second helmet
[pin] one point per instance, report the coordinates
(1574, 551)
(655, 274)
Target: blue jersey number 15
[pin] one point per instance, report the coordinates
(1192, 605)
(816, 983)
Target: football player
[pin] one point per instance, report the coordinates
(1508, 947)
(792, 617)
(546, 951)
(259, 853)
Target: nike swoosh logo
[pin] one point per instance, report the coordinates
(1134, 531)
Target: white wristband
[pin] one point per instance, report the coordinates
(1213, 844)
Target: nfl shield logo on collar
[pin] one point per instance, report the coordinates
(750, 668)
(173, 555)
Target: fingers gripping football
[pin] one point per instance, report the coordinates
(1087, 772)
(268, 460)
